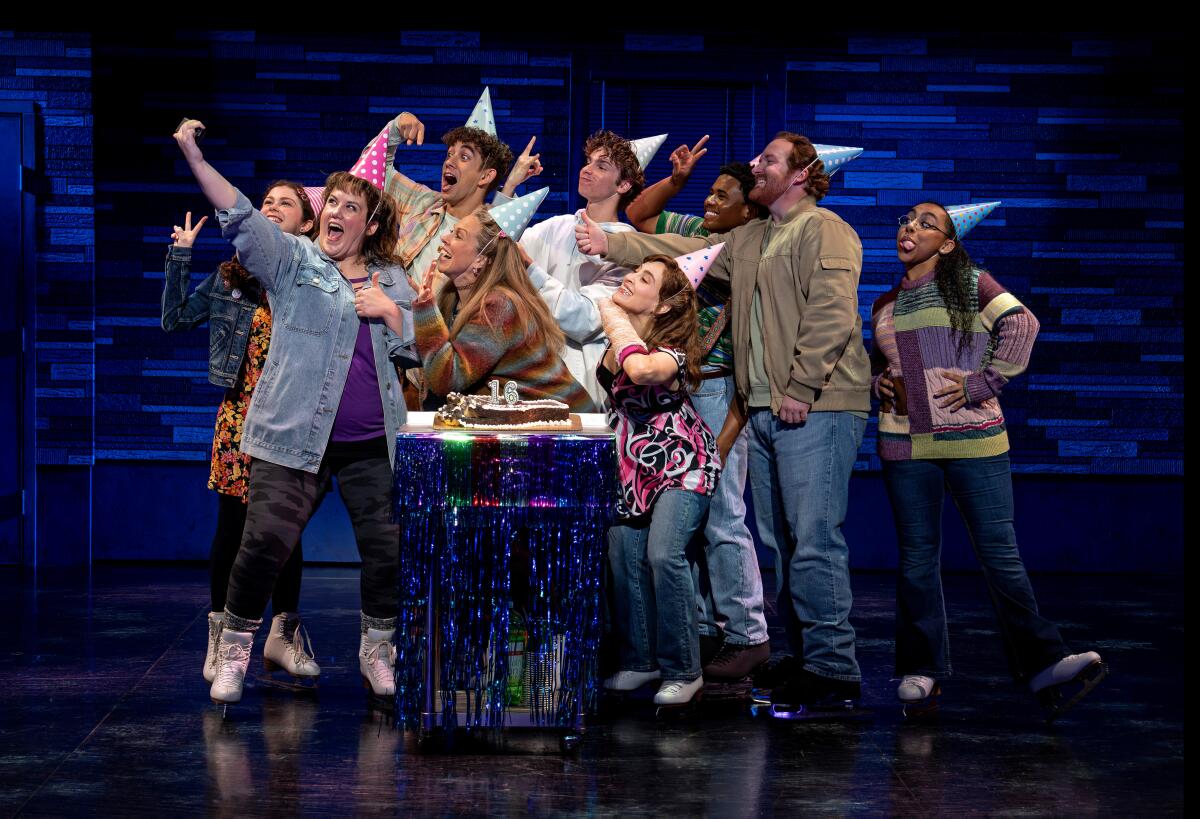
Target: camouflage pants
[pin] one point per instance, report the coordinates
(281, 502)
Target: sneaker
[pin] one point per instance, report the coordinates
(291, 652)
(631, 680)
(678, 692)
(233, 658)
(916, 688)
(811, 692)
(733, 662)
(216, 619)
(377, 662)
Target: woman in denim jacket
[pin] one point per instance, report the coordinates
(239, 336)
(328, 404)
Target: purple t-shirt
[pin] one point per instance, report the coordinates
(360, 412)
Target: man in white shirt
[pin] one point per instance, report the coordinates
(570, 281)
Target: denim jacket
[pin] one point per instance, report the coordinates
(228, 312)
(312, 341)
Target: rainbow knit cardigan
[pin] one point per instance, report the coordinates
(914, 338)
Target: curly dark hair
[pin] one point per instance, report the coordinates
(802, 154)
(620, 152)
(494, 153)
(234, 274)
(745, 178)
(954, 274)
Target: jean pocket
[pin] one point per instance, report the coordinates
(313, 303)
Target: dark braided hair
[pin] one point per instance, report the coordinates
(954, 276)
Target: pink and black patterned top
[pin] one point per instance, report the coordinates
(662, 443)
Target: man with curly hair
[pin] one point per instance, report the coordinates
(803, 382)
(572, 282)
(475, 165)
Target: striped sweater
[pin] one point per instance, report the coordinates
(503, 350)
(913, 336)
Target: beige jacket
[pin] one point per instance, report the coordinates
(807, 278)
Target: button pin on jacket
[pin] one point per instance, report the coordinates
(237, 293)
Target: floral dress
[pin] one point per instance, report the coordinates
(662, 443)
(230, 471)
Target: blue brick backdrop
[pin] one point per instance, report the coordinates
(1081, 138)
(54, 71)
(1080, 135)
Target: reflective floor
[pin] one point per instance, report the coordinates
(103, 711)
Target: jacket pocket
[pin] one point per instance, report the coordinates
(313, 302)
(220, 337)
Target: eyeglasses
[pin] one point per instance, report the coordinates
(906, 220)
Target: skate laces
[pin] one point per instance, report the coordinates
(382, 667)
(300, 646)
(923, 684)
(231, 664)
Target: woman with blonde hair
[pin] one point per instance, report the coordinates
(478, 318)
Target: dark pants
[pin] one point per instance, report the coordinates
(982, 491)
(281, 502)
(227, 540)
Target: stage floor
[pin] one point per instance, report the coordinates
(103, 711)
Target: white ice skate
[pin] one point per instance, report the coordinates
(1060, 686)
(919, 695)
(233, 658)
(377, 662)
(292, 654)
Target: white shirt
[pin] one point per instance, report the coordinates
(571, 283)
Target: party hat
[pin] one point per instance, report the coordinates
(696, 264)
(646, 147)
(513, 216)
(966, 217)
(371, 165)
(482, 116)
(316, 198)
(832, 156)
(835, 156)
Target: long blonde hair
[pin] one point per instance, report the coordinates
(504, 272)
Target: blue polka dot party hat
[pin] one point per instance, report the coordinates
(513, 216)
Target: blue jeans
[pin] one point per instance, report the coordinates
(729, 584)
(982, 491)
(800, 480)
(654, 600)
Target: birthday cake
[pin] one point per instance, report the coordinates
(485, 412)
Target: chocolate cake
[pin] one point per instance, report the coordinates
(483, 412)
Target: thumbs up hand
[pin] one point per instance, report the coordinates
(590, 237)
(371, 302)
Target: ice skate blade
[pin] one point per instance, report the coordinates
(381, 702)
(1055, 701)
(841, 710)
(923, 710)
(276, 676)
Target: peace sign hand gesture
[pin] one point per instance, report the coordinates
(684, 159)
(186, 236)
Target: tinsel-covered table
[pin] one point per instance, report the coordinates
(476, 510)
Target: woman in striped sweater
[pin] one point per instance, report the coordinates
(948, 338)
(491, 323)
